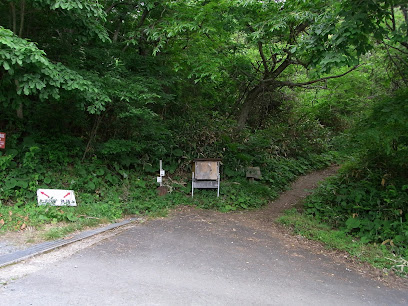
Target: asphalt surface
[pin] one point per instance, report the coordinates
(195, 258)
(12, 254)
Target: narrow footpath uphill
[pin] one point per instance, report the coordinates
(200, 257)
(302, 187)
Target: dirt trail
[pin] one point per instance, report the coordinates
(264, 218)
(301, 188)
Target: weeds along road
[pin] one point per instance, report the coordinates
(194, 257)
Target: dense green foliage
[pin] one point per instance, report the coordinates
(369, 198)
(94, 93)
(382, 256)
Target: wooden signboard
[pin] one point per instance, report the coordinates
(206, 174)
(253, 173)
(206, 170)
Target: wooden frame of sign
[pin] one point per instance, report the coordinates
(206, 174)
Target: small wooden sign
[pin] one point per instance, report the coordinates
(254, 173)
(56, 197)
(2, 140)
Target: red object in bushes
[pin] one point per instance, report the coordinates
(2, 140)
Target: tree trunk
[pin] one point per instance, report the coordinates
(116, 34)
(248, 105)
(244, 113)
(22, 13)
(19, 112)
(92, 136)
(13, 17)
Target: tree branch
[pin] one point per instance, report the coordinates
(290, 84)
(288, 61)
(398, 49)
(393, 18)
(274, 61)
(397, 67)
(285, 64)
(139, 24)
(391, 26)
(316, 87)
(299, 29)
(298, 62)
(143, 17)
(264, 62)
(256, 68)
(401, 60)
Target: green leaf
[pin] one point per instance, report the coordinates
(352, 223)
(6, 65)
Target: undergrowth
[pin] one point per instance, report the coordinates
(367, 202)
(134, 194)
(62, 229)
(381, 255)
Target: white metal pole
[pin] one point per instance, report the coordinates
(161, 165)
(192, 186)
(218, 188)
(219, 179)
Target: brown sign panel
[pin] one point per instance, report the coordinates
(206, 170)
(206, 174)
(2, 140)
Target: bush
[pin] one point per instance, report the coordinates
(369, 199)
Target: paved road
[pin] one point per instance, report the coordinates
(196, 258)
